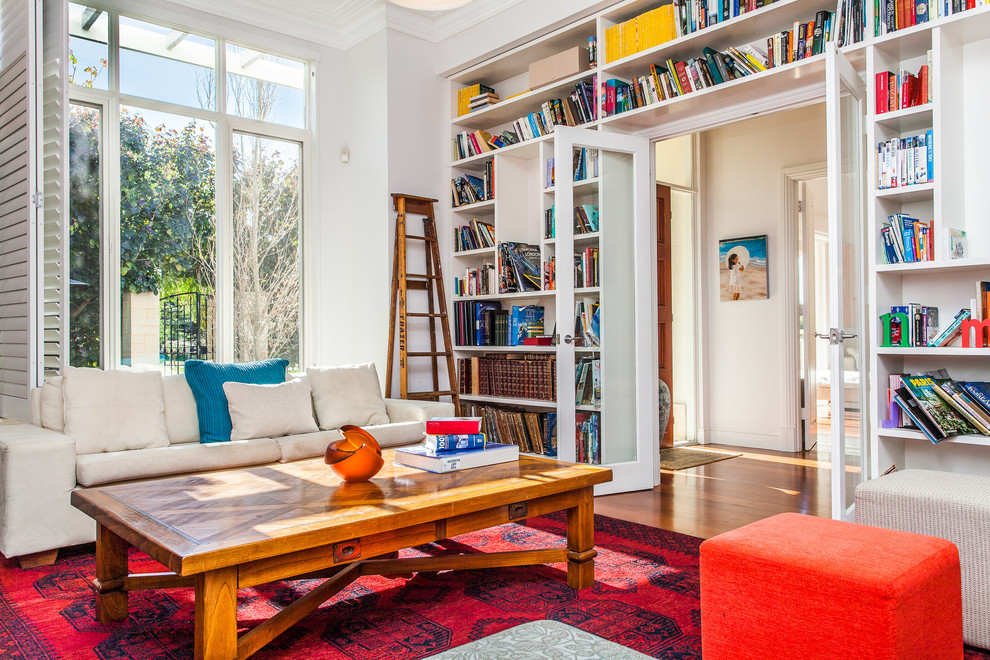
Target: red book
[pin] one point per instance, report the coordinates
(682, 76)
(882, 93)
(923, 87)
(453, 425)
(892, 91)
(537, 341)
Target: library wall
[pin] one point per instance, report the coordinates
(359, 252)
(742, 165)
(417, 137)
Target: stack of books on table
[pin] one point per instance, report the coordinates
(482, 101)
(455, 443)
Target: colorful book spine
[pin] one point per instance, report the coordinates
(460, 442)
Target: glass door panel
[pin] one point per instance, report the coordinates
(606, 362)
(846, 334)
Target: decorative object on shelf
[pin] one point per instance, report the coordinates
(956, 240)
(665, 404)
(894, 325)
(975, 333)
(743, 268)
(357, 457)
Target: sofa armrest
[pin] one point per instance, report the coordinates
(410, 410)
(37, 474)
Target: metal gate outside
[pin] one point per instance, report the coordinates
(188, 329)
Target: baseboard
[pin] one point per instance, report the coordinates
(751, 440)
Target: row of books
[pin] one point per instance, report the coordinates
(482, 101)
(550, 222)
(804, 40)
(981, 304)
(585, 219)
(465, 94)
(474, 236)
(642, 32)
(550, 274)
(893, 15)
(532, 432)
(516, 375)
(586, 268)
(587, 322)
(474, 143)
(913, 325)
(487, 324)
(587, 438)
(895, 91)
(585, 163)
(906, 161)
(574, 110)
(470, 189)
(679, 78)
(478, 281)
(939, 406)
(518, 267)
(588, 382)
(907, 240)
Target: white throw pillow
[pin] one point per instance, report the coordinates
(349, 394)
(269, 411)
(181, 417)
(52, 412)
(114, 410)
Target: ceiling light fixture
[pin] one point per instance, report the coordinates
(431, 5)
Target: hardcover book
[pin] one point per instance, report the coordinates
(454, 442)
(423, 458)
(948, 421)
(455, 425)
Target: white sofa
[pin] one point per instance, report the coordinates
(40, 465)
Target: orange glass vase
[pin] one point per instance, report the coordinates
(357, 457)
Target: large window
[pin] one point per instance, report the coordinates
(189, 252)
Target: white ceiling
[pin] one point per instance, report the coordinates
(343, 23)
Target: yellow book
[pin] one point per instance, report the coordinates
(668, 29)
(611, 42)
(655, 39)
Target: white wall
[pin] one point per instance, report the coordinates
(742, 166)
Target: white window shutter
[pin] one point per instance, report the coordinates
(55, 215)
(19, 167)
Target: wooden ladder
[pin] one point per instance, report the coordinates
(432, 282)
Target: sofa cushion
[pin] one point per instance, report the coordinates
(348, 394)
(181, 419)
(96, 469)
(108, 411)
(52, 412)
(308, 445)
(206, 380)
(269, 411)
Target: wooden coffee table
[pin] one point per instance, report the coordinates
(223, 531)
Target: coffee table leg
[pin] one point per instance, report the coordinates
(581, 551)
(111, 569)
(216, 614)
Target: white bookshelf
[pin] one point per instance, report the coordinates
(960, 45)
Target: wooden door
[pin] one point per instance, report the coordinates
(664, 309)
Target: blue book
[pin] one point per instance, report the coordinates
(980, 392)
(930, 149)
(550, 435)
(455, 442)
(481, 337)
(908, 233)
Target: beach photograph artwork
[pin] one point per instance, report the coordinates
(742, 268)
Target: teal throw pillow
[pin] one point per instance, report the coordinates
(206, 381)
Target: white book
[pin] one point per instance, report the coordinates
(424, 459)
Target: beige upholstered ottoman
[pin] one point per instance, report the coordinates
(955, 507)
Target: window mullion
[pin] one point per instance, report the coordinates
(110, 166)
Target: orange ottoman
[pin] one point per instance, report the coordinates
(796, 587)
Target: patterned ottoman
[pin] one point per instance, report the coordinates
(799, 587)
(955, 507)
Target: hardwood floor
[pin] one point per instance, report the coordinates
(715, 498)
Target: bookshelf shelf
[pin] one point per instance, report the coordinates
(587, 408)
(587, 289)
(480, 252)
(906, 119)
(905, 194)
(578, 185)
(929, 267)
(746, 28)
(590, 237)
(509, 401)
(945, 351)
(909, 434)
(508, 296)
(508, 349)
(527, 149)
(474, 208)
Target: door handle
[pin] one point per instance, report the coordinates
(835, 336)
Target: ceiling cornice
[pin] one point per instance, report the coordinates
(436, 26)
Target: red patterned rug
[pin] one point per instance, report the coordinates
(645, 598)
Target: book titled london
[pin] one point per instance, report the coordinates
(422, 458)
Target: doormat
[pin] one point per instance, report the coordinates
(681, 458)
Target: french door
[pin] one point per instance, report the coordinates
(845, 109)
(606, 363)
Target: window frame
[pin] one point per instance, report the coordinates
(111, 100)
